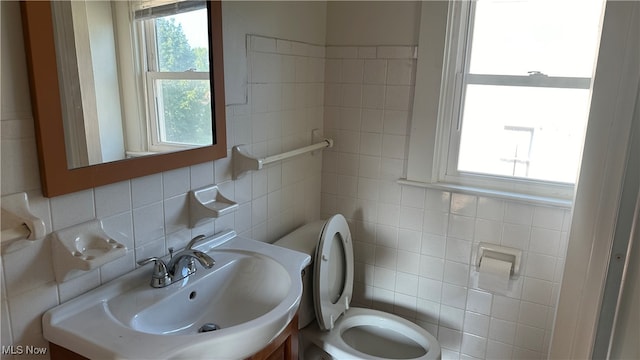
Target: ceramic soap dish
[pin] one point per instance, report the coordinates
(83, 247)
(208, 202)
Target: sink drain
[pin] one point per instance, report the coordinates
(208, 327)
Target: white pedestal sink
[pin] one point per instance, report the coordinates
(248, 297)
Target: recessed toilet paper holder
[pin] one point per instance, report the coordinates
(498, 252)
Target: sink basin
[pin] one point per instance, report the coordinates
(241, 287)
(230, 311)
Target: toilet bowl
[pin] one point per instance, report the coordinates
(330, 329)
(371, 334)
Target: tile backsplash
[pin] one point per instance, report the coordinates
(413, 246)
(150, 214)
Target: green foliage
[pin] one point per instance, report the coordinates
(186, 109)
(202, 58)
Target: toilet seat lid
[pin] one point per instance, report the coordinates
(333, 272)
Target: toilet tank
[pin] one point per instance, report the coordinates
(304, 239)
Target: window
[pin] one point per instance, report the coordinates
(175, 55)
(515, 94)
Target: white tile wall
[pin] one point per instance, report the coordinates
(414, 246)
(150, 214)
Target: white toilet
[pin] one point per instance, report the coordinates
(341, 332)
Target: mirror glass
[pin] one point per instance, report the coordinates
(155, 80)
(133, 78)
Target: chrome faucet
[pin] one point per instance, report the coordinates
(180, 265)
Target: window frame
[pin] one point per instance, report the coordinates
(150, 73)
(442, 171)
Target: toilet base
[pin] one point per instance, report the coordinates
(310, 351)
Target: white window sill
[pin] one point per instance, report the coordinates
(134, 154)
(531, 199)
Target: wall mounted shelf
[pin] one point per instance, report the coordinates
(83, 247)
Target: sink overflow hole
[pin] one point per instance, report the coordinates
(208, 327)
(192, 295)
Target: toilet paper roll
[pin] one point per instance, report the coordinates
(494, 274)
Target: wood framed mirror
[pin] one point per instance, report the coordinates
(57, 177)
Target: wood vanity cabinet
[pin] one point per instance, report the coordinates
(284, 347)
(57, 352)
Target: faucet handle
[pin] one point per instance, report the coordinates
(160, 276)
(204, 259)
(194, 241)
(148, 260)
